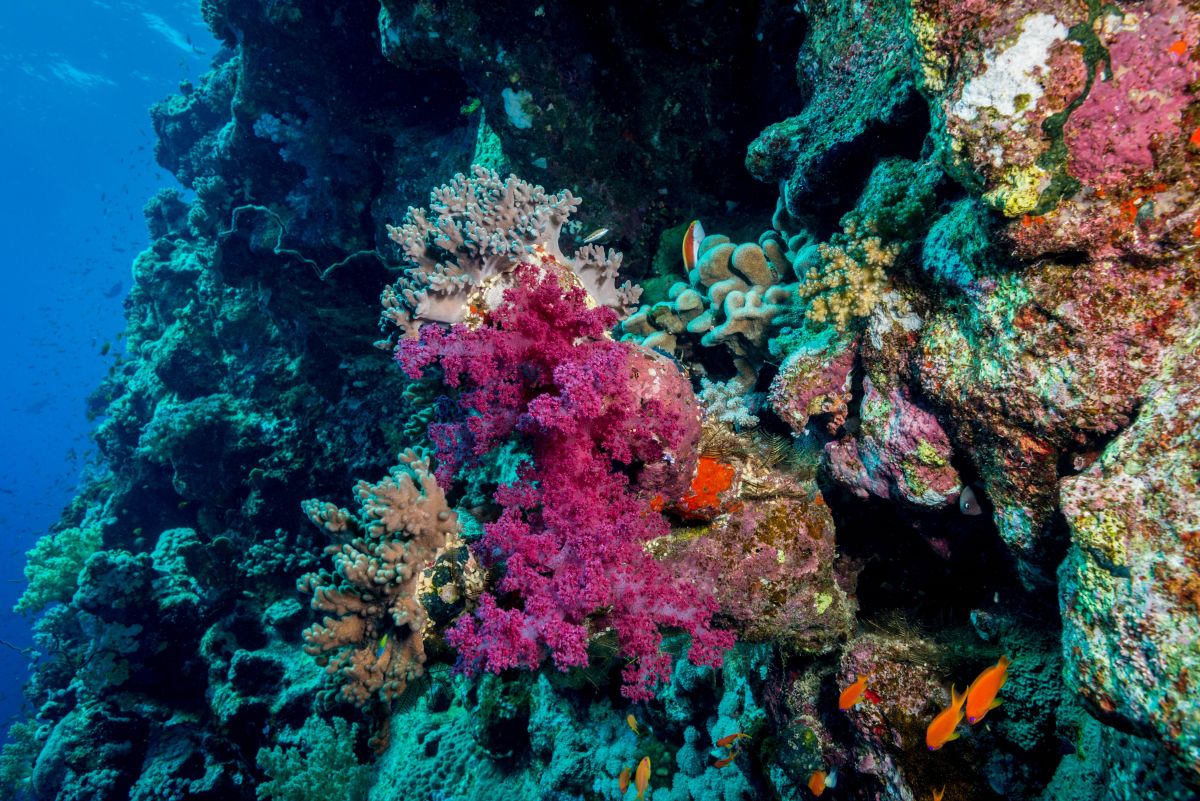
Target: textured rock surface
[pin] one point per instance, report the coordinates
(1130, 586)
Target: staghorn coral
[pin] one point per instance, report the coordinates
(463, 250)
(571, 529)
(402, 526)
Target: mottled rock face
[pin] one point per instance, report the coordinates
(855, 65)
(901, 452)
(1043, 362)
(771, 562)
(1130, 586)
(1071, 122)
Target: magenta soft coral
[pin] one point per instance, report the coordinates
(609, 425)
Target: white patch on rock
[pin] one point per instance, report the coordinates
(515, 105)
(1009, 74)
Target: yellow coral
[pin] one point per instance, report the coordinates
(1019, 190)
(850, 279)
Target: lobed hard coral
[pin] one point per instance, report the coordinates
(463, 251)
(734, 298)
(372, 638)
(609, 426)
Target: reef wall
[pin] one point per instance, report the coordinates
(930, 399)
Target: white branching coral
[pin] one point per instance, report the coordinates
(373, 634)
(477, 229)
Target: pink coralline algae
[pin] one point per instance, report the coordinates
(610, 425)
(1138, 105)
(899, 451)
(772, 565)
(815, 381)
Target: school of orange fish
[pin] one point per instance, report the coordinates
(974, 704)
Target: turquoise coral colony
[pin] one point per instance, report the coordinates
(712, 516)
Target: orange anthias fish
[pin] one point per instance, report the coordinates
(942, 728)
(623, 780)
(642, 780)
(691, 244)
(853, 693)
(632, 721)
(981, 695)
(730, 739)
(819, 780)
(722, 763)
(937, 794)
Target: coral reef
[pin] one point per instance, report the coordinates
(939, 407)
(571, 529)
(373, 639)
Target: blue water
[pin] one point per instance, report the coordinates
(77, 160)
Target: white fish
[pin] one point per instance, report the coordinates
(598, 234)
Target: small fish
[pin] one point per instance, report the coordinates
(981, 695)
(730, 739)
(1195, 137)
(937, 794)
(853, 693)
(642, 779)
(942, 728)
(595, 236)
(721, 763)
(623, 780)
(968, 504)
(1178, 48)
(819, 780)
(382, 647)
(632, 721)
(691, 245)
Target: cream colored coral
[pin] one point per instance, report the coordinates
(403, 526)
(476, 231)
(849, 279)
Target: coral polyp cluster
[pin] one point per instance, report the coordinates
(373, 636)
(570, 531)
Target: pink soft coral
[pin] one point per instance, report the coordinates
(609, 425)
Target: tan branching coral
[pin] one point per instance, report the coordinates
(477, 229)
(372, 637)
(849, 279)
